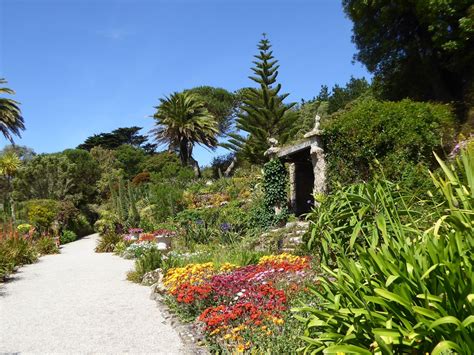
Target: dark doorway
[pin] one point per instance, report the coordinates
(304, 178)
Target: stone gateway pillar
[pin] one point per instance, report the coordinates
(317, 158)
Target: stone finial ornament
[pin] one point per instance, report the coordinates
(273, 150)
(273, 142)
(316, 130)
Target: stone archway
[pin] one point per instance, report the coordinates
(307, 169)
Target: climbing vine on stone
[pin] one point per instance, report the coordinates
(275, 181)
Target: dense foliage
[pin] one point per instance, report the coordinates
(397, 136)
(118, 137)
(418, 49)
(403, 288)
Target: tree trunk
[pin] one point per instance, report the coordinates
(229, 169)
(183, 152)
(10, 197)
(195, 165)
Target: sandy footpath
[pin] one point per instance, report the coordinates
(79, 302)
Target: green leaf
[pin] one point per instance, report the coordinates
(355, 234)
(392, 333)
(468, 321)
(441, 347)
(430, 297)
(315, 322)
(445, 320)
(390, 280)
(426, 312)
(391, 296)
(310, 340)
(381, 224)
(351, 349)
(426, 274)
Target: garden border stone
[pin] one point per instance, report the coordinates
(190, 335)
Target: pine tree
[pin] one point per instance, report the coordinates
(263, 113)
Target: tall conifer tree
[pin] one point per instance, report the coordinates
(263, 114)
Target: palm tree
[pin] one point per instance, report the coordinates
(182, 120)
(11, 121)
(9, 165)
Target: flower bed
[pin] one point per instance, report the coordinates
(236, 306)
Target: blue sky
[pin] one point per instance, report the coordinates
(81, 67)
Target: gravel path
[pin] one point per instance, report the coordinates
(79, 302)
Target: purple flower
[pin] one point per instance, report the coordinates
(199, 222)
(225, 227)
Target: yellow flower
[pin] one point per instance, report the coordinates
(215, 331)
(282, 257)
(240, 348)
(227, 336)
(227, 267)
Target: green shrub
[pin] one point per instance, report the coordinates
(412, 293)
(107, 242)
(42, 213)
(67, 237)
(16, 252)
(400, 135)
(107, 221)
(46, 245)
(23, 228)
(120, 247)
(149, 261)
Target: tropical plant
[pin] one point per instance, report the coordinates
(348, 217)
(11, 120)
(16, 252)
(182, 121)
(149, 261)
(9, 165)
(46, 245)
(413, 293)
(107, 242)
(263, 113)
(124, 196)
